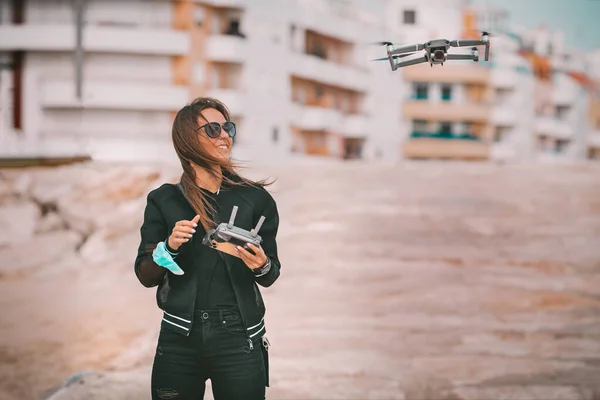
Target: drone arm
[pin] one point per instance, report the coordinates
(405, 62)
(406, 49)
(466, 42)
(473, 57)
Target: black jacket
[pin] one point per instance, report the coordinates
(176, 294)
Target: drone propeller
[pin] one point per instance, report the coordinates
(382, 43)
(394, 56)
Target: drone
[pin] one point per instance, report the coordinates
(227, 236)
(436, 51)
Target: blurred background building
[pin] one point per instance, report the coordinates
(105, 78)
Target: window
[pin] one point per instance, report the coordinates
(446, 127)
(446, 92)
(419, 125)
(199, 15)
(467, 128)
(409, 17)
(421, 91)
(561, 145)
(319, 92)
(501, 134)
(562, 111)
(498, 134)
(293, 39)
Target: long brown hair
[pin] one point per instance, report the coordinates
(189, 150)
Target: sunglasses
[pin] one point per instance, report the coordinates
(213, 129)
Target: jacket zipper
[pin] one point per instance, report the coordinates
(250, 344)
(195, 283)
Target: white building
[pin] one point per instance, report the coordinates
(292, 73)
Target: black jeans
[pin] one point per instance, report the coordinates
(216, 349)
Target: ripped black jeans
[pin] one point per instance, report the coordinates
(216, 349)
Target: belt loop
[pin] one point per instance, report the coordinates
(221, 315)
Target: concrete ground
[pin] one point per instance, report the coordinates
(410, 281)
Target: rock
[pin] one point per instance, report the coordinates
(22, 184)
(18, 222)
(52, 221)
(6, 192)
(37, 251)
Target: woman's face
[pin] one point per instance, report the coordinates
(219, 147)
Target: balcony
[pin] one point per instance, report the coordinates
(327, 72)
(225, 3)
(226, 48)
(234, 99)
(355, 125)
(553, 127)
(446, 146)
(109, 95)
(503, 115)
(565, 90)
(594, 138)
(450, 73)
(313, 118)
(504, 78)
(95, 39)
(447, 111)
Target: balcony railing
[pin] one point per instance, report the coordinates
(441, 146)
(447, 111)
(226, 48)
(452, 73)
(108, 95)
(504, 77)
(443, 135)
(594, 138)
(233, 98)
(565, 90)
(316, 69)
(552, 126)
(503, 115)
(112, 39)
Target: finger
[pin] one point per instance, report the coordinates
(196, 219)
(184, 229)
(246, 257)
(257, 250)
(184, 223)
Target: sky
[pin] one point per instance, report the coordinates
(577, 18)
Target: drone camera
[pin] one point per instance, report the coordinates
(439, 55)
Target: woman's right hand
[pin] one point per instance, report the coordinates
(182, 232)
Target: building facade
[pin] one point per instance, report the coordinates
(293, 75)
(296, 76)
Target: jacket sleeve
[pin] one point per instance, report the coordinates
(154, 230)
(268, 232)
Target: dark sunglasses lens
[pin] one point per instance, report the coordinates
(213, 129)
(229, 128)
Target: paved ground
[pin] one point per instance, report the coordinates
(421, 280)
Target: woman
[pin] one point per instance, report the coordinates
(213, 313)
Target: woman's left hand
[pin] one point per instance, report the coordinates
(253, 261)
